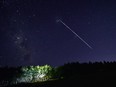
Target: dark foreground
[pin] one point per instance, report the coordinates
(78, 75)
(83, 81)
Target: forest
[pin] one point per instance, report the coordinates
(70, 74)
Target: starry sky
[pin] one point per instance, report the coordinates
(31, 35)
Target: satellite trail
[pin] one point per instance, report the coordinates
(74, 33)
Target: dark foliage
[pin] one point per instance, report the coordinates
(98, 74)
(77, 69)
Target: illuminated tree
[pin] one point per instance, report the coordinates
(35, 73)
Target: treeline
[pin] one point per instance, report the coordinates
(73, 70)
(77, 69)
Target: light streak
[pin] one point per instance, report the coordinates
(75, 33)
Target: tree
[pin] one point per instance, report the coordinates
(35, 73)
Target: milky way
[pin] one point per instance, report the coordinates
(29, 33)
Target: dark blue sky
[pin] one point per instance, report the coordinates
(29, 33)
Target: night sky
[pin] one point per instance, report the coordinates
(31, 35)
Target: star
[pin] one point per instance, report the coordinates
(18, 38)
(89, 22)
(15, 20)
(18, 12)
(34, 15)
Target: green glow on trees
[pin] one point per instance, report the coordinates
(35, 73)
